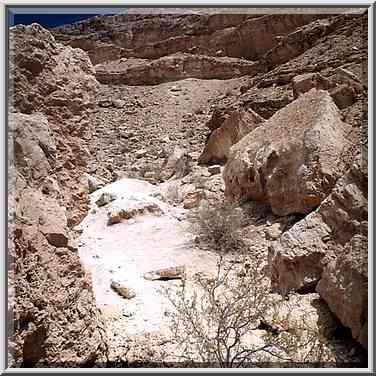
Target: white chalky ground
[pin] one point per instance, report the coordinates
(125, 251)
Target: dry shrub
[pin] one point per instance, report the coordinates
(214, 319)
(218, 224)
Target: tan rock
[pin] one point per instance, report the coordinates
(118, 103)
(291, 45)
(65, 86)
(206, 35)
(293, 160)
(54, 88)
(303, 313)
(175, 272)
(237, 125)
(295, 259)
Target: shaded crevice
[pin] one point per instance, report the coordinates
(308, 289)
(268, 328)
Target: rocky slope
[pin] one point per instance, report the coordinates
(279, 100)
(52, 91)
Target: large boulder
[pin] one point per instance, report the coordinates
(344, 286)
(295, 260)
(327, 252)
(293, 160)
(237, 125)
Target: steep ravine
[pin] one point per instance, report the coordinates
(142, 132)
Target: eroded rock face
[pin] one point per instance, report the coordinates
(109, 38)
(238, 124)
(172, 68)
(293, 160)
(58, 82)
(301, 39)
(47, 76)
(51, 302)
(328, 251)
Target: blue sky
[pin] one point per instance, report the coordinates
(47, 20)
(56, 15)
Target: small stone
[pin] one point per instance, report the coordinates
(57, 239)
(105, 198)
(175, 272)
(273, 232)
(72, 245)
(126, 313)
(105, 103)
(140, 153)
(121, 288)
(175, 88)
(94, 183)
(166, 139)
(118, 103)
(114, 216)
(214, 170)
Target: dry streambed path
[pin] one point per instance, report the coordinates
(153, 119)
(125, 251)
